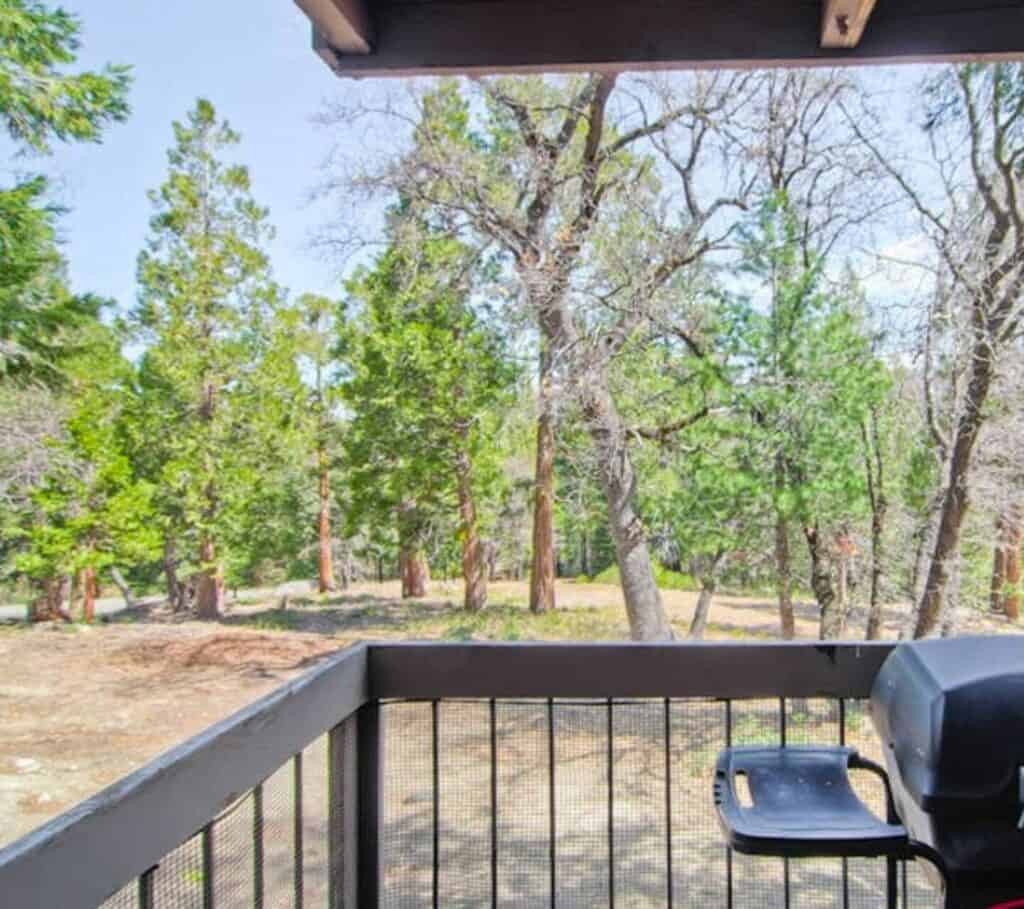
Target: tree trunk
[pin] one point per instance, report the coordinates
(90, 591)
(998, 585)
(210, 585)
(832, 609)
(955, 496)
(951, 606)
(49, 605)
(874, 629)
(123, 586)
(414, 571)
(542, 568)
(1006, 568)
(647, 618)
(708, 585)
(325, 566)
(1011, 600)
(874, 464)
(474, 561)
(784, 578)
(175, 589)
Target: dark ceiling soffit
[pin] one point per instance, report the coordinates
(490, 36)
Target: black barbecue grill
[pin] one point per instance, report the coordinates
(950, 714)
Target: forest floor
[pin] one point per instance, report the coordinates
(84, 705)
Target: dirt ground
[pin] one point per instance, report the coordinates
(80, 707)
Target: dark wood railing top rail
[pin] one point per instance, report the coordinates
(81, 857)
(684, 670)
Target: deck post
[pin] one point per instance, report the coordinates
(343, 815)
(370, 770)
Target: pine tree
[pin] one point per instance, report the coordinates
(206, 298)
(429, 375)
(91, 512)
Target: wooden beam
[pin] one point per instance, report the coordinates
(434, 37)
(683, 670)
(342, 25)
(843, 22)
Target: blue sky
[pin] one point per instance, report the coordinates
(252, 58)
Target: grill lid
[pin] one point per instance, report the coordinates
(950, 714)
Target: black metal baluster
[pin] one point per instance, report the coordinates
(436, 772)
(845, 861)
(297, 830)
(146, 880)
(611, 806)
(782, 742)
(551, 799)
(207, 839)
(370, 771)
(494, 805)
(257, 847)
(728, 850)
(668, 799)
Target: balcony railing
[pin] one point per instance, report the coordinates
(461, 775)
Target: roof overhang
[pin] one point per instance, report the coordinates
(432, 37)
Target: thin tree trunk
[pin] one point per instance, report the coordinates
(998, 586)
(1011, 603)
(175, 589)
(1006, 569)
(700, 615)
(122, 585)
(210, 585)
(708, 585)
(647, 618)
(784, 578)
(874, 468)
(474, 562)
(542, 568)
(90, 591)
(874, 629)
(955, 497)
(325, 566)
(951, 606)
(210, 580)
(833, 620)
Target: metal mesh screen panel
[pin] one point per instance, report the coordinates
(523, 853)
(464, 753)
(639, 806)
(699, 868)
(608, 780)
(125, 898)
(315, 814)
(179, 879)
(278, 839)
(233, 856)
(581, 803)
(406, 837)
